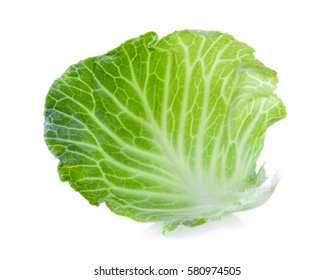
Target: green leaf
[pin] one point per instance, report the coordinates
(165, 130)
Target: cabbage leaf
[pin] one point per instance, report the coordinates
(166, 130)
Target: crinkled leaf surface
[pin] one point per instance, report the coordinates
(165, 130)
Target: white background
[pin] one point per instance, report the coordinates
(50, 232)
